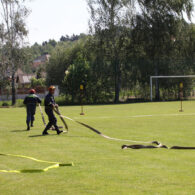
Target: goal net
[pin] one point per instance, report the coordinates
(170, 86)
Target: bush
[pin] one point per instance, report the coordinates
(19, 103)
(37, 82)
(63, 100)
(5, 104)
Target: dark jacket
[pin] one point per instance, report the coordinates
(31, 100)
(49, 101)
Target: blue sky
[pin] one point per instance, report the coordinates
(50, 19)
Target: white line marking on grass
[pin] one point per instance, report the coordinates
(136, 116)
(139, 116)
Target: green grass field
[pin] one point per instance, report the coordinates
(101, 167)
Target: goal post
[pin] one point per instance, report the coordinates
(165, 77)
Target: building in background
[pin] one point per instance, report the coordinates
(23, 80)
(40, 61)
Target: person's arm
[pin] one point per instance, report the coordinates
(25, 101)
(38, 100)
(48, 101)
(54, 103)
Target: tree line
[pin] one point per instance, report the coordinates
(128, 42)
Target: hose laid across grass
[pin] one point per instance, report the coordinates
(158, 144)
(105, 136)
(53, 166)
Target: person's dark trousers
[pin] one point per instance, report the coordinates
(31, 109)
(52, 121)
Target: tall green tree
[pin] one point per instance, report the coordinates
(77, 74)
(158, 26)
(13, 30)
(109, 18)
(61, 58)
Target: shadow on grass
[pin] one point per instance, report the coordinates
(75, 136)
(19, 131)
(32, 136)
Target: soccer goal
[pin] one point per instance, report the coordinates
(165, 77)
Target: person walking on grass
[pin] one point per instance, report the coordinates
(31, 102)
(50, 105)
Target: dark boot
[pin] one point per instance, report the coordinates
(28, 126)
(47, 128)
(57, 129)
(32, 124)
(45, 133)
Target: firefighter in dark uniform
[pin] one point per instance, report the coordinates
(31, 101)
(50, 104)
